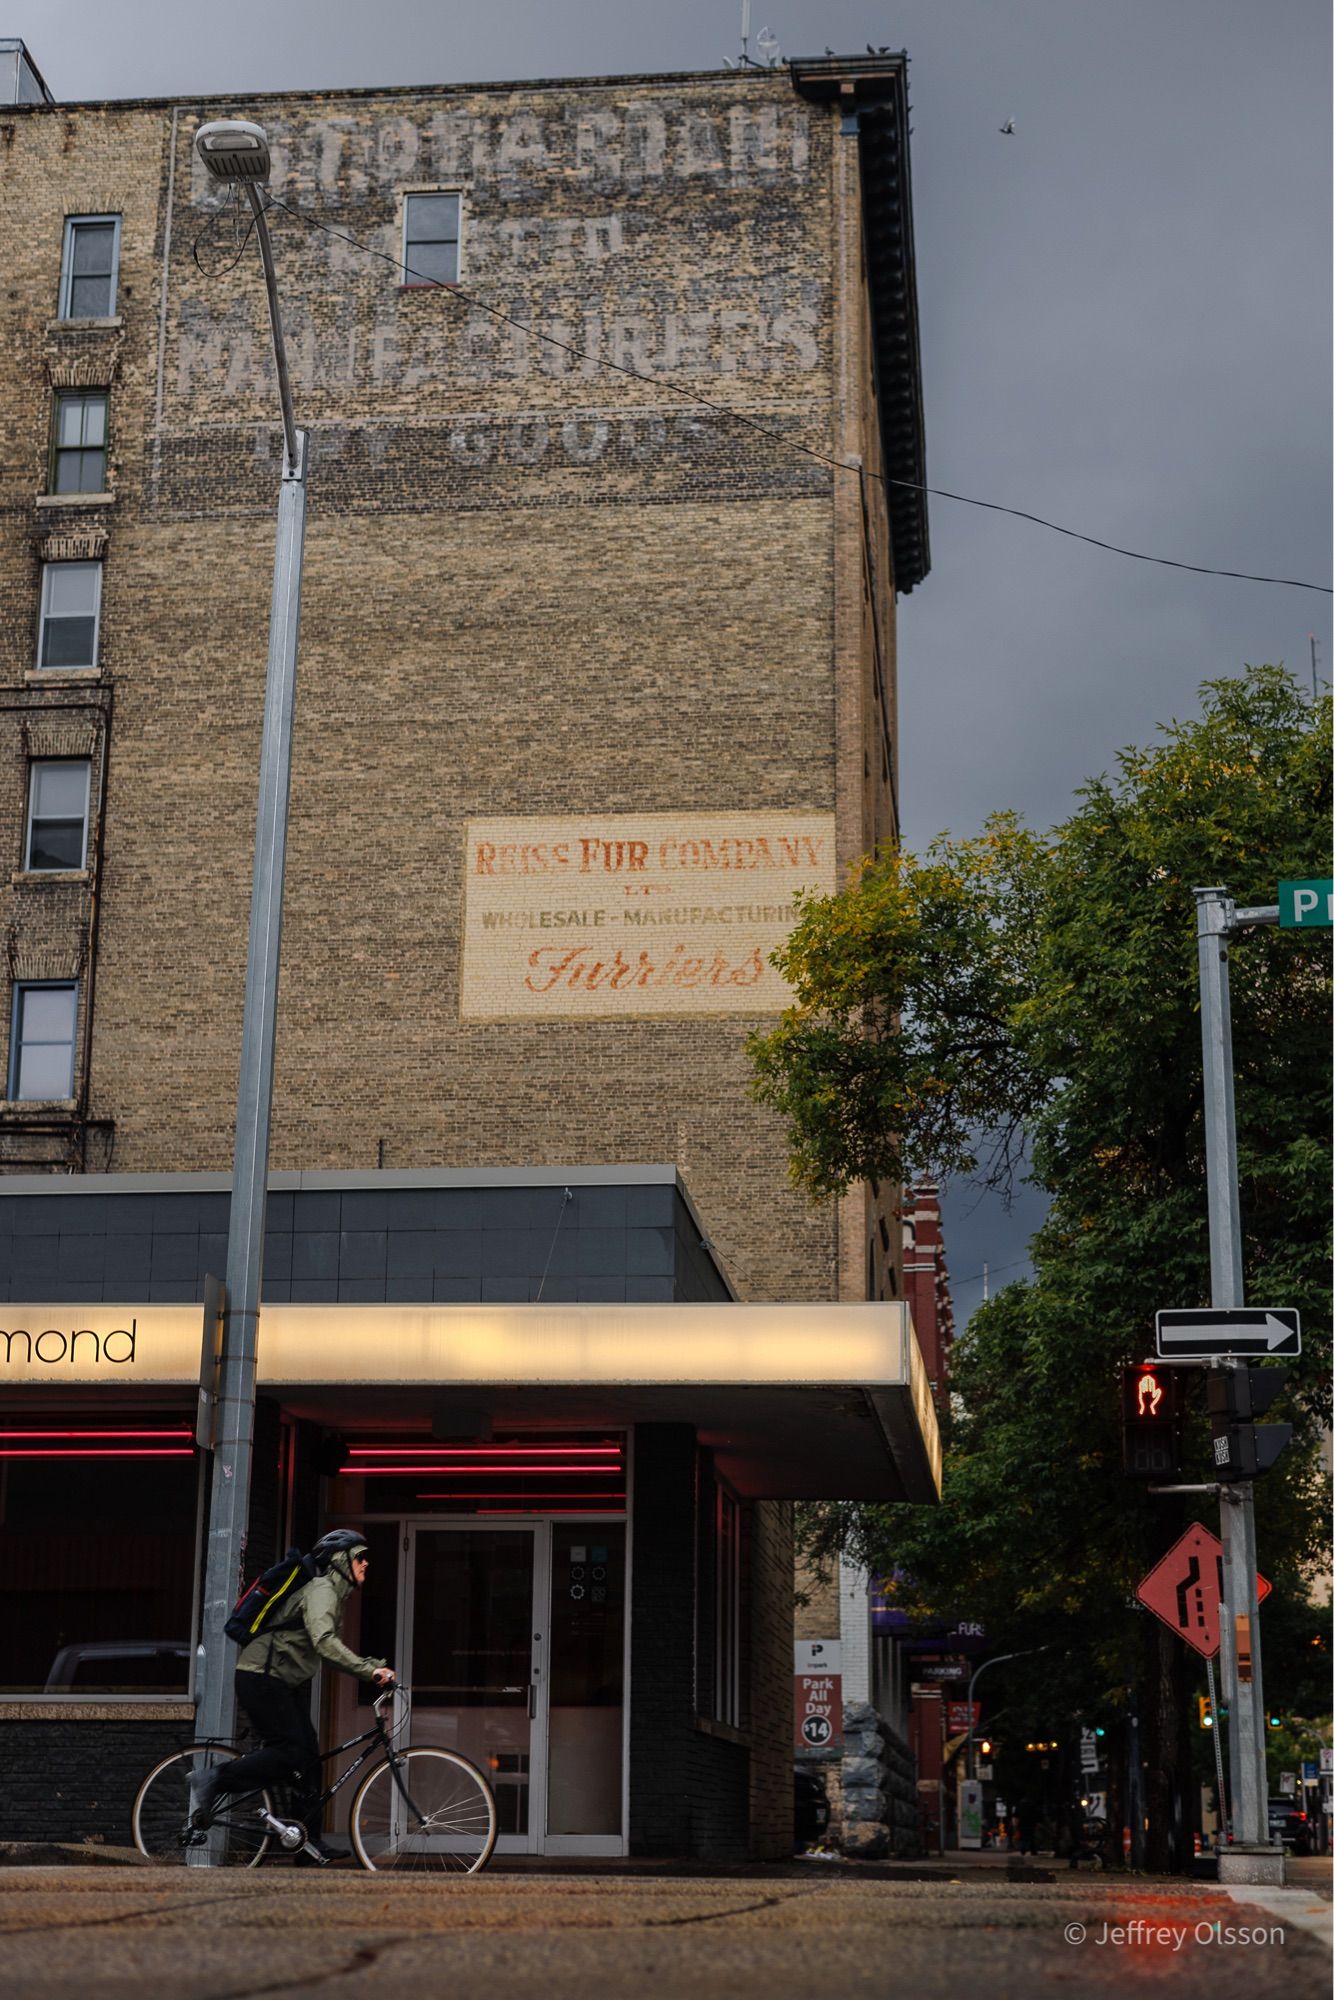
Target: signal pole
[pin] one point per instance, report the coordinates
(1251, 1858)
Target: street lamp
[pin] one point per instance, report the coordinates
(978, 1672)
(235, 151)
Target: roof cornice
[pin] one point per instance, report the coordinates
(871, 92)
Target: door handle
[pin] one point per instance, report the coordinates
(532, 1701)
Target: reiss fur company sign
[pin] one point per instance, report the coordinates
(632, 915)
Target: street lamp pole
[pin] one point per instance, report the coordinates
(237, 152)
(977, 1674)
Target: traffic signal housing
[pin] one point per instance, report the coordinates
(1244, 1449)
(1150, 1421)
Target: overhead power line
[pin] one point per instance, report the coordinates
(697, 401)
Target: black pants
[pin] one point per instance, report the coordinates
(280, 1717)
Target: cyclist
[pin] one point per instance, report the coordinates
(273, 1677)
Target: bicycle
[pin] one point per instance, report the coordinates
(417, 1810)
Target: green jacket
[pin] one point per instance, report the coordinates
(293, 1653)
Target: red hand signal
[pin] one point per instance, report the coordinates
(1150, 1394)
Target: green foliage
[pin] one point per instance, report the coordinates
(1012, 990)
(902, 1041)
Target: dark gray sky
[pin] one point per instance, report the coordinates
(1125, 326)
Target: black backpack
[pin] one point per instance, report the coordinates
(262, 1605)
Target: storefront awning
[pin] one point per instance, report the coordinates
(816, 1400)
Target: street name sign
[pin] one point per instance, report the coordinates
(1205, 1333)
(1306, 906)
(1185, 1589)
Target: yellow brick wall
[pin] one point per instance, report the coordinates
(533, 587)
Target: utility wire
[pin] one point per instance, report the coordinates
(778, 437)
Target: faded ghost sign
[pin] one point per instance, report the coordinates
(679, 234)
(635, 914)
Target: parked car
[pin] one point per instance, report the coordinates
(1288, 1823)
(121, 1666)
(810, 1817)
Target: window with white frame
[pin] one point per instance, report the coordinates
(88, 268)
(431, 239)
(79, 443)
(41, 1042)
(71, 604)
(57, 814)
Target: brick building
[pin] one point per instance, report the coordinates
(926, 1283)
(597, 672)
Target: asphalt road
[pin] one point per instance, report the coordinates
(146, 1934)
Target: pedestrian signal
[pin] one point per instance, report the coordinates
(1150, 1422)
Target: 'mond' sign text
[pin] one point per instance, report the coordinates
(75, 1348)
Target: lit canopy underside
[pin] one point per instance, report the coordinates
(809, 1401)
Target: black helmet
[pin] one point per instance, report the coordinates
(335, 1543)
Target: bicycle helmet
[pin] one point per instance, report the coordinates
(337, 1542)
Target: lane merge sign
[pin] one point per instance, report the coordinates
(1207, 1332)
(1185, 1589)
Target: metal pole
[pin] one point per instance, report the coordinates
(230, 1495)
(974, 1678)
(1216, 919)
(1218, 1751)
(290, 447)
(1134, 1783)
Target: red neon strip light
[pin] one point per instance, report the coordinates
(536, 1497)
(175, 1452)
(96, 1434)
(508, 1511)
(488, 1450)
(531, 1471)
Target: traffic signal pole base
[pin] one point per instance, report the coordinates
(1240, 1863)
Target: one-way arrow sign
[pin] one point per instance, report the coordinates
(1207, 1332)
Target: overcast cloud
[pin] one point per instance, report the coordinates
(1125, 327)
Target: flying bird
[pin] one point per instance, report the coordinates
(1008, 127)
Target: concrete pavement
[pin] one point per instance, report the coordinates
(150, 1934)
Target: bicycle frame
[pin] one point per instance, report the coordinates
(377, 1736)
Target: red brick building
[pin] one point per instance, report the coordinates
(926, 1282)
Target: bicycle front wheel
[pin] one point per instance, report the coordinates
(160, 1820)
(424, 1811)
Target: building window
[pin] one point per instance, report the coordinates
(57, 814)
(727, 1610)
(71, 601)
(97, 1550)
(431, 239)
(88, 267)
(41, 1044)
(79, 456)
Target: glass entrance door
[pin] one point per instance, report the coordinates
(475, 1661)
(513, 1645)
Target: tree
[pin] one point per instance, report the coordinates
(1017, 989)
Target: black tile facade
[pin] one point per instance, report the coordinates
(449, 1245)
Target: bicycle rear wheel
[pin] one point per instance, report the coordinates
(426, 1811)
(160, 1819)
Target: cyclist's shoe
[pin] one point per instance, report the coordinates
(206, 1797)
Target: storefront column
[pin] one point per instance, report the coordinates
(662, 1631)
